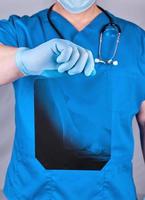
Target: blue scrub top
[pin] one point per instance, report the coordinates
(75, 117)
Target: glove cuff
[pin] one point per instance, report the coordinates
(19, 61)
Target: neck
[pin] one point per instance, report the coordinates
(79, 20)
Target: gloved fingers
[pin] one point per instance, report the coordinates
(90, 65)
(73, 59)
(57, 45)
(80, 64)
(65, 55)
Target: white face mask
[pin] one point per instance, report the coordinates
(76, 6)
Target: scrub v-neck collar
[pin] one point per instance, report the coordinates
(68, 30)
(65, 21)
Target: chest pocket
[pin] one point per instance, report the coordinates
(123, 92)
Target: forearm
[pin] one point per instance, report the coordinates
(8, 70)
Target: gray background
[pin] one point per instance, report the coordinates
(134, 10)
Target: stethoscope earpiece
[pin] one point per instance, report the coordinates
(97, 60)
(115, 63)
(109, 62)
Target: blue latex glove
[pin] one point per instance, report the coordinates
(55, 57)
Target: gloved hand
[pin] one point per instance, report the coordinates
(54, 57)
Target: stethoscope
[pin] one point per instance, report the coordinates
(113, 25)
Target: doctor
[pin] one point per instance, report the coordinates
(73, 137)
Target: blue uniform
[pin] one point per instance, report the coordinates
(83, 116)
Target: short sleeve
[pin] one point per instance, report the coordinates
(141, 51)
(141, 58)
(7, 31)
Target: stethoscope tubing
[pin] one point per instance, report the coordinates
(103, 29)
